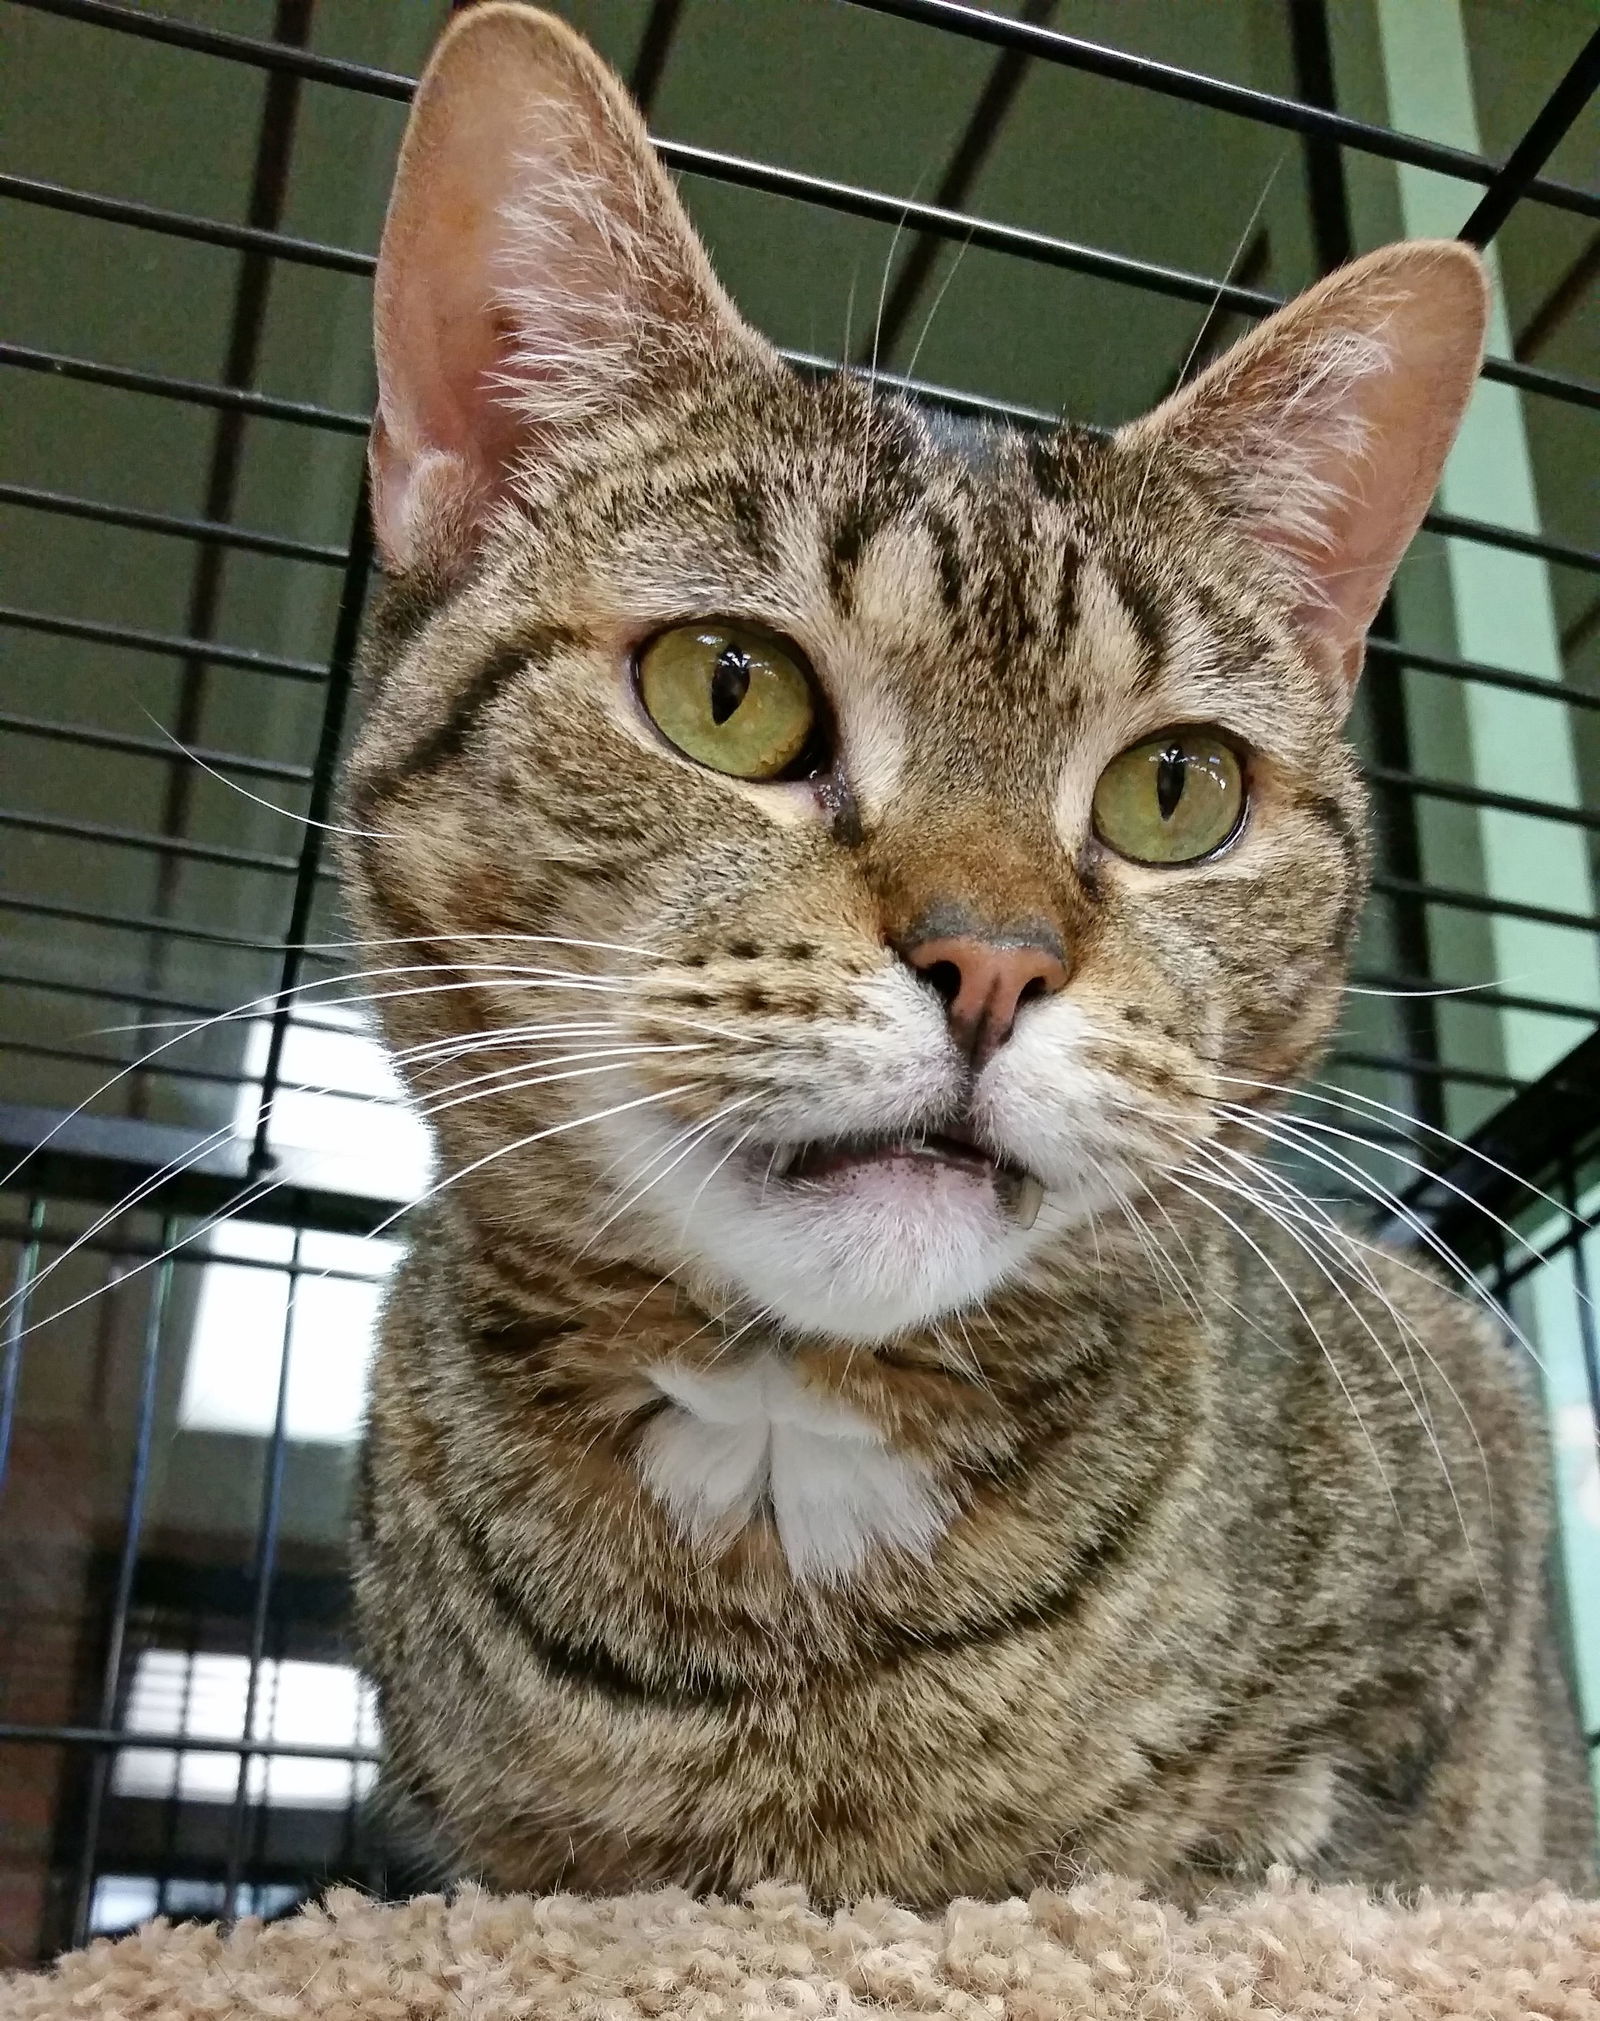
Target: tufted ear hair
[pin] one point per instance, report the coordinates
(1324, 432)
(536, 274)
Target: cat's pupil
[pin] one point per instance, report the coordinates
(730, 683)
(1172, 772)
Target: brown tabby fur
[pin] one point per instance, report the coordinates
(1236, 1571)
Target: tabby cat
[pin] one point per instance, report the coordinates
(858, 1408)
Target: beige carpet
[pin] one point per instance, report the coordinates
(1101, 1950)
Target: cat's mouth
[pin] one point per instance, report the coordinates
(824, 1162)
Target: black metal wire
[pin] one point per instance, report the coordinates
(1473, 901)
(971, 151)
(1529, 379)
(228, 1077)
(1482, 796)
(1194, 88)
(266, 1557)
(123, 1248)
(167, 386)
(177, 224)
(184, 1742)
(262, 55)
(133, 1515)
(1549, 127)
(140, 923)
(660, 27)
(31, 498)
(1480, 675)
(341, 669)
(35, 1049)
(153, 747)
(105, 992)
(133, 639)
(1563, 553)
(189, 1007)
(15, 1326)
(1050, 45)
(138, 838)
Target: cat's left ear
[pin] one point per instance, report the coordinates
(1324, 431)
(537, 273)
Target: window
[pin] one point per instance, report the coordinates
(207, 1697)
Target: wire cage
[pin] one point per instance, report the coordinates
(1059, 205)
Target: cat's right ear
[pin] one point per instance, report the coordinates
(1324, 432)
(537, 272)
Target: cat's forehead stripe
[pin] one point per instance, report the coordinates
(1147, 614)
(494, 668)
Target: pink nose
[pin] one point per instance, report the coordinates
(985, 984)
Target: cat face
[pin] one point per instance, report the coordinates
(917, 824)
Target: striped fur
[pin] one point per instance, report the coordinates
(709, 1536)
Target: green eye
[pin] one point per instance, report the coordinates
(1172, 799)
(729, 697)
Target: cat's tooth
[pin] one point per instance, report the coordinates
(1027, 1197)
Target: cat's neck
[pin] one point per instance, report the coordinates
(621, 1321)
(616, 1386)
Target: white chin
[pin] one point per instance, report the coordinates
(862, 1255)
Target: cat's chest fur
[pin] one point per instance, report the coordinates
(752, 1442)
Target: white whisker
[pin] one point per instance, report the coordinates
(937, 303)
(1336, 1097)
(541, 1080)
(269, 1004)
(618, 1056)
(1354, 1251)
(523, 1144)
(1316, 1259)
(1166, 1272)
(272, 807)
(738, 1144)
(256, 1191)
(1244, 1236)
(1344, 1167)
(440, 1053)
(1405, 995)
(689, 1141)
